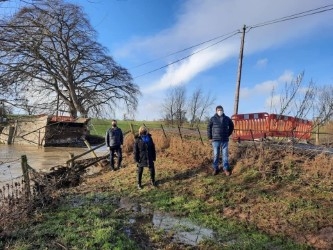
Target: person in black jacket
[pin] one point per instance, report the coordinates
(114, 140)
(144, 155)
(219, 128)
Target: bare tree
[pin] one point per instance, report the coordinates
(323, 109)
(168, 107)
(180, 101)
(296, 100)
(48, 53)
(300, 101)
(174, 106)
(198, 105)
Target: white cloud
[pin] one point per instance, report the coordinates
(265, 95)
(287, 76)
(262, 63)
(259, 89)
(272, 103)
(184, 71)
(266, 87)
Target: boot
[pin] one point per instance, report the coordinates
(112, 168)
(118, 165)
(112, 163)
(119, 160)
(139, 177)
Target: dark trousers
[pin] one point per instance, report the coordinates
(115, 150)
(140, 171)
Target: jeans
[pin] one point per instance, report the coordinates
(217, 146)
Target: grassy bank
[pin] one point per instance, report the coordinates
(276, 198)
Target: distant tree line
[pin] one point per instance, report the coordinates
(177, 108)
(294, 98)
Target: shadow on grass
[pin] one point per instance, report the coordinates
(190, 173)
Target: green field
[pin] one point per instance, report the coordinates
(100, 126)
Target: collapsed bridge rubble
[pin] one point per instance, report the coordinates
(46, 130)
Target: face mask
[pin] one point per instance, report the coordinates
(219, 113)
(114, 125)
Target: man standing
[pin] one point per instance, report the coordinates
(114, 140)
(219, 128)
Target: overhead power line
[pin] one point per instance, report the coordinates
(188, 48)
(274, 21)
(295, 16)
(196, 52)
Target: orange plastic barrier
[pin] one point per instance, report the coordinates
(303, 129)
(259, 125)
(250, 126)
(281, 125)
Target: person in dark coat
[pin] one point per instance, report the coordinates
(219, 128)
(144, 155)
(114, 140)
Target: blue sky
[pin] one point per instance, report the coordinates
(138, 31)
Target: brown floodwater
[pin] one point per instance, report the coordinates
(39, 158)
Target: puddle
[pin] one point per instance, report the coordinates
(184, 231)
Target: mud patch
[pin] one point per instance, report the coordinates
(323, 240)
(180, 230)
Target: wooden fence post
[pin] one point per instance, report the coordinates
(200, 135)
(254, 143)
(180, 133)
(132, 129)
(163, 131)
(24, 164)
(317, 135)
(71, 160)
(93, 152)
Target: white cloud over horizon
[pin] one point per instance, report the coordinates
(184, 71)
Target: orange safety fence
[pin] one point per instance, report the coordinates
(249, 126)
(260, 125)
(303, 129)
(280, 125)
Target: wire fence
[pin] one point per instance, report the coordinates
(318, 138)
(12, 188)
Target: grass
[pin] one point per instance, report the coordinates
(90, 225)
(275, 199)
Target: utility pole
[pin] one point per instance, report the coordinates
(2, 102)
(239, 74)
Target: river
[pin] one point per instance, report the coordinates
(39, 158)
